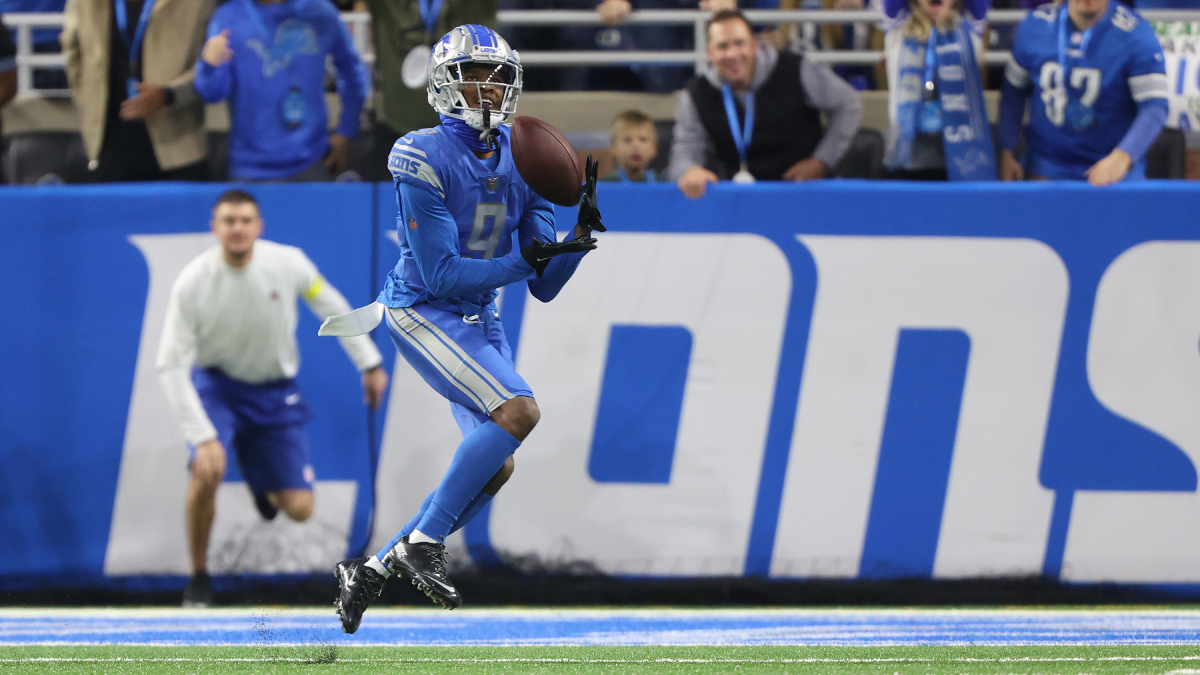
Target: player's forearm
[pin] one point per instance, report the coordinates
(185, 404)
(454, 276)
(1144, 131)
(557, 274)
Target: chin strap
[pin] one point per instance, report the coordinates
(488, 135)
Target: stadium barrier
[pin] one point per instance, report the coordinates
(838, 380)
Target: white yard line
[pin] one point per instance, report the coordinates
(117, 659)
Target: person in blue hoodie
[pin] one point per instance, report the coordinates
(267, 57)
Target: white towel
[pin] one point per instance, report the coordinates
(359, 322)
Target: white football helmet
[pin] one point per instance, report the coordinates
(463, 46)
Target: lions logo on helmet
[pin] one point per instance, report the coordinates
(466, 45)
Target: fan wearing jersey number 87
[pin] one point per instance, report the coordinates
(1093, 74)
(461, 200)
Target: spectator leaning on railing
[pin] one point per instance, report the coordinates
(129, 63)
(1094, 72)
(762, 110)
(939, 124)
(267, 57)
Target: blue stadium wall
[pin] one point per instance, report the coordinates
(838, 380)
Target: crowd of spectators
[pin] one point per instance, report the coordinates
(140, 74)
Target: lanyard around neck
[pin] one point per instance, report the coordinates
(430, 11)
(134, 45)
(1063, 20)
(930, 59)
(741, 137)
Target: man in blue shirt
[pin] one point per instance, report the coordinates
(1095, 73)
(461, 200)
(268, 58)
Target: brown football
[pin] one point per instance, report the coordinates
(547, 161)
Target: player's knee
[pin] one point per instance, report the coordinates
(518, 416)
(501, 477)
(297, 504)
(208, 479)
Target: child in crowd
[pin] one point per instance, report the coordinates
(634, 145)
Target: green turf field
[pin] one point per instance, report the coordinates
(962, 660)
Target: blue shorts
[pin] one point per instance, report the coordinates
(465, 359)
(263, 426)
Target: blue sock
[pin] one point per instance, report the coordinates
(481, 500)
(480, 455)
(408, 528)
(477, 504)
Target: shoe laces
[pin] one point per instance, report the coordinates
(437, 554)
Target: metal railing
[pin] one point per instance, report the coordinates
(358, 24)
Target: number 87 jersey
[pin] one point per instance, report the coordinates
(1080, 113)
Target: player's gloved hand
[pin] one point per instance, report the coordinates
(538, 253)
(589, 212)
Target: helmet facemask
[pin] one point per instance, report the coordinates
(449, 85)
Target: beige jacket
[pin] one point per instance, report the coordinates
(172, 42)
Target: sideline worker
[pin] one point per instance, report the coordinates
(228, 362)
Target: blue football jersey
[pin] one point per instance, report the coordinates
(1077, 118)
(456, 221)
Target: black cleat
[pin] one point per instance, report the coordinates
(198, 593)
(359, 586)
(265, 508)
(425, 565)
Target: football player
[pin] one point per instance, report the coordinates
(460, 200)
(1096, 74)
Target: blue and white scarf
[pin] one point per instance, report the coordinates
(966, 136)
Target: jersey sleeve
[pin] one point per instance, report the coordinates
(538, 221)
(432, 235)
(410, 164)
(1146, 69)
(176, 357)
(1016, 72)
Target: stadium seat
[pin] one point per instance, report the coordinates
(1167, 158)
(864, 157)
(45, 157)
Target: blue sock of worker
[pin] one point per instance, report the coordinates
(480, 455)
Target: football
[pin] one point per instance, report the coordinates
(547, 162)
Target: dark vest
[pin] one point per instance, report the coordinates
(786, 128)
